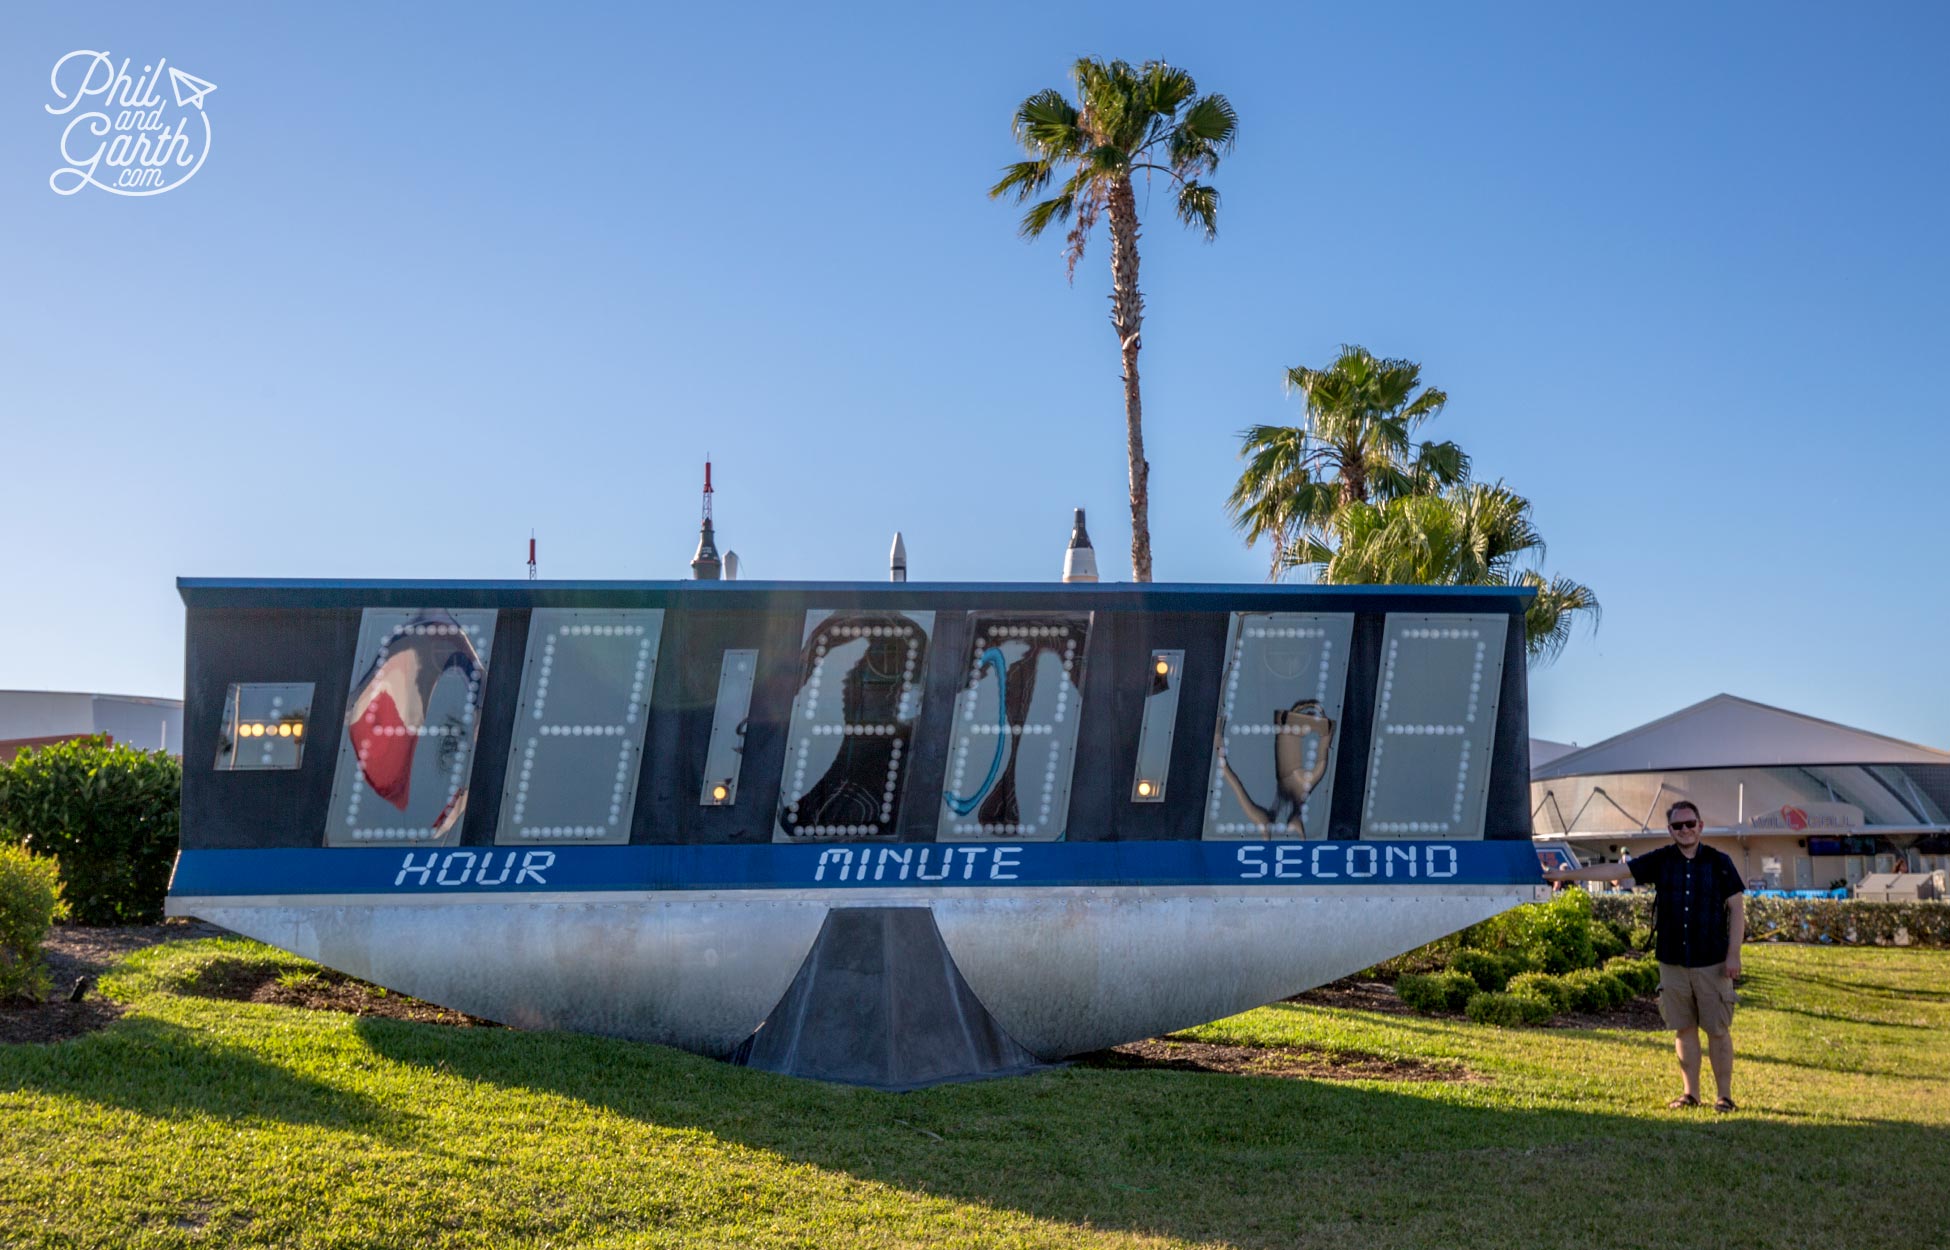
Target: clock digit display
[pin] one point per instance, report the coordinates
(577, 748)
(407, 745)
(852, 733)
(1279, 713)
(1434, 724)
(1015, 728)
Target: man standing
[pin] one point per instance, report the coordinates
(1700, 917)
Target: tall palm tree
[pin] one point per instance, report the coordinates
(1474, 534)
(1126, 122)
(1358, 445)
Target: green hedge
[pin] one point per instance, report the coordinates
(1510, 1010)
(1849, 921)
(108, 813)
(30, 903)
(1440, 991)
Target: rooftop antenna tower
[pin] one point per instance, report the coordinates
(705, 565)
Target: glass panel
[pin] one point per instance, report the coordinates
(1015, 738)
(264, 726)
(407, 745)
(860, 679)
(1435, 720)
(1159, 727)
(725, 757)
(578, 743)
(1273, 760)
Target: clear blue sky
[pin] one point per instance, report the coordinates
(456, 271)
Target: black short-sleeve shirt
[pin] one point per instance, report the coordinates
(1691, 905)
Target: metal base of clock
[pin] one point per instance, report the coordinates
(1060, 970)
(879, 1002)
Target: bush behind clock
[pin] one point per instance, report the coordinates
(108, 813)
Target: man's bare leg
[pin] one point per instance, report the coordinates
(1719, 1051)
(1686, 1046)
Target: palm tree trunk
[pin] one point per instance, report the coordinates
(1127, 318)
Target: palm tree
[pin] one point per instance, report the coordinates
(1469, 535)
(1126, 121)
(1358, 445)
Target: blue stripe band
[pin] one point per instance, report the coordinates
(397, 870)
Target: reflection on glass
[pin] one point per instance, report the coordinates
(1015, 732)
(408, 741)
(1273, 758)
(860, 679)
(724, 758)
(578, 741)
(1435, 720)
(264, 726)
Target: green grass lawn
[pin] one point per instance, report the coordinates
(196, 1122)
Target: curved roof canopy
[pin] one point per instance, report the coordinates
(1729, 732)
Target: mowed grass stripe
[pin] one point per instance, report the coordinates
(196, 1122)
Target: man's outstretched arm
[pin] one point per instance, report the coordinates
(1590, 872)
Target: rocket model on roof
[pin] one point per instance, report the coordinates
(705, 565)
(897, 560)
(1080, 561)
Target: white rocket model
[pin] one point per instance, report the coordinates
(897, 560)
(1080, 561)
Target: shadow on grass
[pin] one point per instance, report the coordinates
(156, 1068)
(1245, 1160)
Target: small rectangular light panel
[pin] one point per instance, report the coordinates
(264, 725)
(727, 750)
(1160, 723)
(1434, 725)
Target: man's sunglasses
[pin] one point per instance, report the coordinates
(1678, 826)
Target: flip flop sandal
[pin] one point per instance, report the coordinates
(1725, 1105)
(1684, 1100)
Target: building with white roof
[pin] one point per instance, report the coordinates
(1799, 802)
(30, 718)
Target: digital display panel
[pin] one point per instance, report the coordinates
(1015, 728)
(1279, 716)
(264, 726)
(1434, 724)
(407, 745)
(577, 748)
(852, 733)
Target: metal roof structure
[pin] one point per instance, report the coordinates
(1726, 731)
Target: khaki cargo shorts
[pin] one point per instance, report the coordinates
(1696, 998)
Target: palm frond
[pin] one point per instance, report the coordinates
(1198, 205)
(1046, 125)
(1039, 216)
(1024, 178)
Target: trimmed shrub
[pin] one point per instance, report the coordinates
(1438, 991)
(1548, 937)
(30, 903)
(109, 814)
(1594, 990)
(1641, 937)
(1490, 972)
(1606, 941)
(1640, 973)
(1508, 1010)
(1847, 920)
(1544, 985)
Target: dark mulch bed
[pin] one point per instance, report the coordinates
(73, 952)
(1356, 995)
(1182, 1054)
(324, 990)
